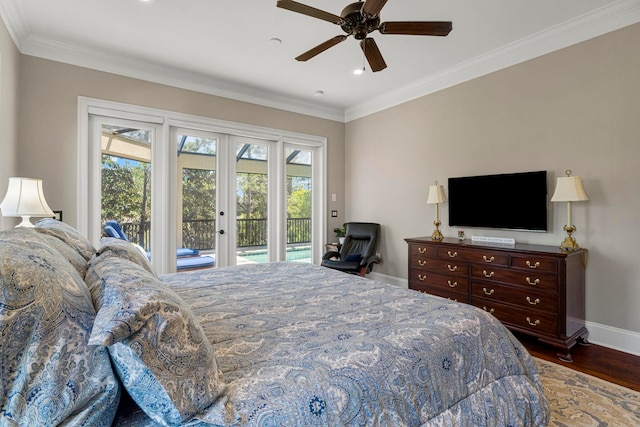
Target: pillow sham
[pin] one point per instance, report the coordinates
(49, 374)
(158, 348)
(126, 250)
(68, 235)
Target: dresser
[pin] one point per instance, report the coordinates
(533, 289)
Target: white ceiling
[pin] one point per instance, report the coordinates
(223, 47)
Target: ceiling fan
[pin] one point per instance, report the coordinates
(358, 20)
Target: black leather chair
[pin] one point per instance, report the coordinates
(357, 254)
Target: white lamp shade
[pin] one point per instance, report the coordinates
(25, 198)
(569, 189)
(436, 195)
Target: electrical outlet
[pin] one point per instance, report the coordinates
(334, 214)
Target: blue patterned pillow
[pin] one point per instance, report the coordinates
(49, 375)
(157, 346)
(68, 235)
(126, 250)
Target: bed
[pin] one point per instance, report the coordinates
(277, 344)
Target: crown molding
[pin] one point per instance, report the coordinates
(614, 16)
(13, 17)
(68, 53)
(596, 23)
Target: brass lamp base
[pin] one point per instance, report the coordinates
(437, 235)
(569, 244)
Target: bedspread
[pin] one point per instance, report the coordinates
(302, 345)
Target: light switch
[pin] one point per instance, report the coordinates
(333, 197)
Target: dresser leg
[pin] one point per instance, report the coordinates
(565, 357)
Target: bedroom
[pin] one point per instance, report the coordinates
(575, 108)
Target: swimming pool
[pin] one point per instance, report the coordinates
(300, 254)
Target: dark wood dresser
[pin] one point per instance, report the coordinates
(537, 290)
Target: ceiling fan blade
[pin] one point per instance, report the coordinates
(320, 48)
(309, 11)
(373, 55)
(433, 28)
(373, 7)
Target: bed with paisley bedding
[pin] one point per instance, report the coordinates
(94, 337)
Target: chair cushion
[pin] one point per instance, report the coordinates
(353, 258)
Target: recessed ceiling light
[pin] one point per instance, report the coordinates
(318, 93)
(275, 41)
(358, 71)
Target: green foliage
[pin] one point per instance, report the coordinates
(121, 190)
(299, 204)
(198, 194)
(341, 231)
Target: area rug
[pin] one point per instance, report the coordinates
(581, 400)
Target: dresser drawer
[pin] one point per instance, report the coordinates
(527, 279)
(440, 292)
(524, 298)
(474, 255)
(438, 265)
(535, 322)
(534, 263)
(422, 250)
(435, 280)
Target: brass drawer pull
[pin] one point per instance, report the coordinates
(452, 284)
(533, 283)
(454, 268)
(490, 311)
(487, 274)
(421, 277)
(534, 302)
(422, 262)
(536, 323)
(536, 265)
(489, 292)
(452, 255)
(422, 250)
(484, 257)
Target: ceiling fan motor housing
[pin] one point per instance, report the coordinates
(357, 24)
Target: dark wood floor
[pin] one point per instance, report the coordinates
(602, 362)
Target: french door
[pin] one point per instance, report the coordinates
(180, 188)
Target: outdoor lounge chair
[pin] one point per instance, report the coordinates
(186, 258)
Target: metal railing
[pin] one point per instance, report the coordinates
(200, 233)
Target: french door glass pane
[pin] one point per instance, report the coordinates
(251, 203)
(299, 197)
(196, 204)
(126, 184)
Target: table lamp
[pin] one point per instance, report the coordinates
(569, 189)
(25, 199)
(436, 196)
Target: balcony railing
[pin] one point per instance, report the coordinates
(200, 233)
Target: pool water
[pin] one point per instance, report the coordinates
(301, 254)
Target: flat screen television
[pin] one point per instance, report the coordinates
(513, 201)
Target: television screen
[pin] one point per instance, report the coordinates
(515, 201)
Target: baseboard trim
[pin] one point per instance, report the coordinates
(606, 336)
(615, 338)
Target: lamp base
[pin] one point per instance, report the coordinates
(569, 244)
(25, 222)
(436, 235)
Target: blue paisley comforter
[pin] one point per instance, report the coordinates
(301, 345)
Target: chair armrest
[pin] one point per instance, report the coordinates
(369, 261)
(331, 254)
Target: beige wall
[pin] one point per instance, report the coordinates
(48, 123)
(9, 61)
(578, 108)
